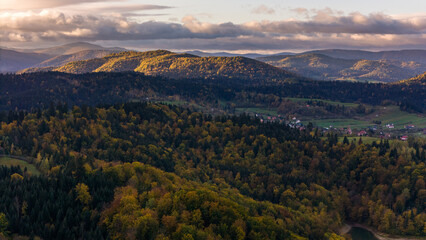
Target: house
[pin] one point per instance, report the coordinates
(390, 125)
(411, 126)
(404, 138)
(362, 133)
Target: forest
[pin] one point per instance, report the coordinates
(38, 90)
(141, 170)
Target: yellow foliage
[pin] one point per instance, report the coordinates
(16, 177)
(83, 194)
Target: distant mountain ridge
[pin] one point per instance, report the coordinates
(328, 64)
(13, 60)
(175, 65)
(78, 56)
(416, 55)
(321, 66)
(72, 48)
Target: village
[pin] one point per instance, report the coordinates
(387, 131)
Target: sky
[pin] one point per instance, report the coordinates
(243, 26)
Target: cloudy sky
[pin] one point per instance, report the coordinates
(230, 25)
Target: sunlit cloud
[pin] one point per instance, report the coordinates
(323, 28)
(263, 9)
(41, 4)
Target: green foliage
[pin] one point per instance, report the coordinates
(182, 174)
(157, 202)
(8, 161)
(47, 207)
(3, 223)
(83, 194)
(40, 89)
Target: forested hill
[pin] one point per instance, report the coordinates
(152, 171)
(25, 91)
(324, 67)
(174, 65)
(420, 79)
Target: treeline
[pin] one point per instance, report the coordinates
(49, 207)
(26, 91)
(319, 181)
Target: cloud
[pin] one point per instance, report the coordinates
(262, 9)
(326, 22)
(302, 42)
(210, 30)
(41, 4)
(131, 8)
(322, 29)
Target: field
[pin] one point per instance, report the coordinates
(183, 103)
(368, 140)
(392, 114)
(339, 123)
(322, 100)
(387, 115)
(8, 161)
(264, 111)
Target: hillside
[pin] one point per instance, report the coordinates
(26, 91)
(224, 54)
(78, 56)
(174, 65)
(152, 171)
(323, 67)
(71, 48)
(420, 80)
(16, 60)
(401, 55)
(12, 61)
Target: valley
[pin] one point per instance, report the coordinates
(164, 145)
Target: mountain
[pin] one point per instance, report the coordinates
(225, 54)
(12, 61)
(325, 67)
(174, 65)
(78, 56)
(401, 55)
(72, 48)
(419, 80)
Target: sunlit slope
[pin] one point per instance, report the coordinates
(174, 65)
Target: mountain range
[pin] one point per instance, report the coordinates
(13, 60)
(174, 65)
(331, 64)
(227, 54)
(327, 65)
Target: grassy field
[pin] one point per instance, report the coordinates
(392, 114)
(368, 140)
(339, 123)
(7, 161)
(387, 115)
(182, 104)
(326, 101)
(264, 111)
